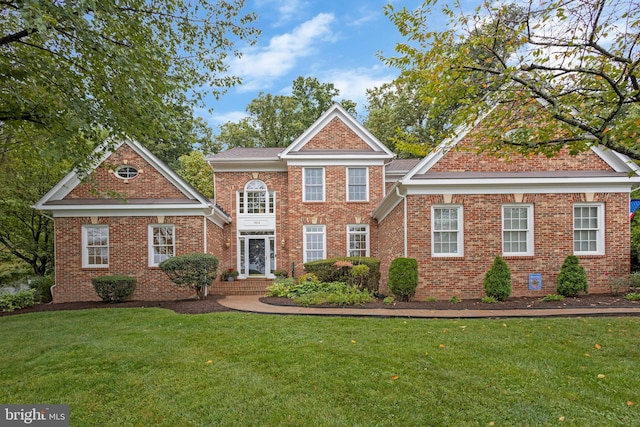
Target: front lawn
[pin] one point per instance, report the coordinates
(155, 367)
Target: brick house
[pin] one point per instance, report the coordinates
(338, 191)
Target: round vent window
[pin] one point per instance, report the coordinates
(126, 172)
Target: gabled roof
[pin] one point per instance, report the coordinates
(55, 200)
(378, 149)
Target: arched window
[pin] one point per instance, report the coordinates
(256, 194)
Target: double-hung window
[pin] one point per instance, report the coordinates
(357, 185)
(517, 230)
(162, 243)
(446, 231)
(95, 246)
(314, 243)
(313, 188)
(358, 240)
(588, 229)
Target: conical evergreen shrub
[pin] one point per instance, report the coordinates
(497, 281)
(572, 279)
(403, 278)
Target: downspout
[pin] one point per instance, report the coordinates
(404, 199)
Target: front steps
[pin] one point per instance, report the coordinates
(240, 287)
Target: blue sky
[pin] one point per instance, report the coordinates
(335, 41)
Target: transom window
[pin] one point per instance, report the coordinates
(446, 231)
(358, 240)
(255, 199)
(357, 185)
(95, 246)
(313, 189)
(588, 229)
(517, 230)
(314, 243)
(162, 244)
(126, 172)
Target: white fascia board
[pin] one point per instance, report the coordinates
(508, 188)
(347, 161)
(88, 211)
(618, 162)
(390, 201)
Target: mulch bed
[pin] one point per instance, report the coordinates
(189, 306)
(210, 304)
(589, 301)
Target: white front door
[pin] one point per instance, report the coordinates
(257, 255)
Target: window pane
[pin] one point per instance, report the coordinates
(313, 184)
(358, 236)
(314, 243)
(446, 231)
(515, 229)
(357, 184)
(96, 245)
(162, 243)
(586, 228)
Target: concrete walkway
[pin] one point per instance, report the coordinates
(252, 304)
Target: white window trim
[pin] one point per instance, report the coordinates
(150, 252)
(366, 174)
(460, 239)
(529, 230)
(304, 241)
(304, 185)
(600, 234)
(349, 233)
(85, 251)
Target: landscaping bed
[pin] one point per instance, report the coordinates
(591, 300)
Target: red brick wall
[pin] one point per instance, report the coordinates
(391, 237)
(148, 184)
(336, 135)
(128, 255)
(553, 239)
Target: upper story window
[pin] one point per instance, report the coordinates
(357, 185)
(255, 199)
(588, 229)
(313, 188)
(95, 246)
(446, 231)
(126, 172)
(517, 230)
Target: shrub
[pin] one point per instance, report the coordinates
(403, 278)
(634, 281)
(23, 299)
(497, 281)
(338, 293)
(195, 271)
(42, 286)
(430, 299)
(326, 270)
(308, 277)
(618, 283)
(552, 297)
(489, 300)
(281, 273)
(281, 287)
(454, 300)
(389, 300)
(360, 275)
(572, 279)
(633, 296)
(114, 289)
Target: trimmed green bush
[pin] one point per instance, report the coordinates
(114, 289)
(403, 278)
(42, 286)
(497, 281)
(22, 299)
(195, 271)
(326, 270)
(572, 279)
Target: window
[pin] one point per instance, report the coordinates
(517, 230)
(95, 246)
(314, 242)
(162, 243)
(357, 185)
(255, 199)
(588, 229)
(357, 240)
(126, 172)
(446, 231)
(313, 185)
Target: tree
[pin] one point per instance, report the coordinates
(135, 68)
(277, 120)
(197, 172)
(25, 177)
(579, 58)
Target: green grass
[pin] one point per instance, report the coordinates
(151, 367)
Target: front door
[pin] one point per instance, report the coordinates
(257, 255)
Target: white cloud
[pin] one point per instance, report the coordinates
(260, 66)
(353, 83)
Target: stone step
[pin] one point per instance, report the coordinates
(240, 287)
